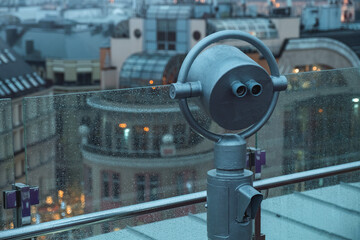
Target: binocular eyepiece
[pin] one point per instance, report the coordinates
(240, 90)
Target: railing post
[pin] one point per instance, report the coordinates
(258, 235)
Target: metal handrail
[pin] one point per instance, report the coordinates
(165, 204)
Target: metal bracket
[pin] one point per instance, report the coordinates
(20, 199)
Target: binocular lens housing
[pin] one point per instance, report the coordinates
(239, 89)
(254, 87)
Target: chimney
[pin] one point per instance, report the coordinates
(11, 35)
(29, 44)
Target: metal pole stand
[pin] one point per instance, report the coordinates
(232, 201)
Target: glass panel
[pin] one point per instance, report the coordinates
(94, 151)
(326, 208)
(316, 123)
(6, 160)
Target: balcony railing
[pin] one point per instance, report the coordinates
(167, 204)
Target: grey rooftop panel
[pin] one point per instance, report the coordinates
(75, 45)
(145, 67)
(175, 229)
(13, 71)
(169, 12)
(262, 28)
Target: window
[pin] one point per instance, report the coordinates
(166, 35)
(20, 113)
(108, 136)
(88, 179)
(185, 182)
(95, 134)
(9, 177)
(111, 185)
(180, 184)
(84, 78)
(23, 167)
(21, 132)
(140, 137)
(179, 134)
(147, 187)
(159, 132)
(154, 185)
(106, 185)
(116, 186)
(121, 138)
(59, 78)
(140, 188)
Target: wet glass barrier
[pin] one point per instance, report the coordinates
(316, 123)
(90, 152)
(7, 164)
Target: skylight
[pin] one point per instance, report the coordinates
(9, 54)
(24, 82)
(38, 78)
(18, 84)
(32, 80)
(11, 86)
(3, 58)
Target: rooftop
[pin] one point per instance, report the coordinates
(70, 45)
(348, 37)
(17, 78)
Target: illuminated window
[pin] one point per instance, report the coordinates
(140, 137)
(185, 182)
(121, 138)
(158, 133)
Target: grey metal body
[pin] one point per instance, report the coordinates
(225, 219)
(220, 68)
(237, 93)
(232, 202)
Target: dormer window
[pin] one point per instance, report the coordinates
(166, 34)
